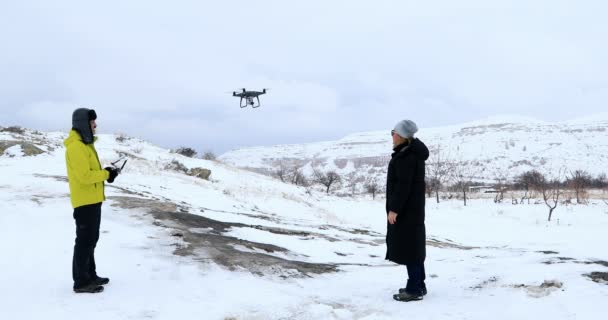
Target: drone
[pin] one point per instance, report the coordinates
(248, 96)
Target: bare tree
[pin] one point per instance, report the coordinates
(372, 186)
(326, 179)
(500, 185)
(580, 180)
(353, 181)
(429, 186)
(462, 174)
(601, 182)
(438, 170)
(529, 182)
(551, 189)
(281, 172)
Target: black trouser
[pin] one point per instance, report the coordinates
(87, 219)
(416, 276)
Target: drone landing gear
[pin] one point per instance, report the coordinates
(249, 102)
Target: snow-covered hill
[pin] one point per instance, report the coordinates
(506, 144)
(245, 246)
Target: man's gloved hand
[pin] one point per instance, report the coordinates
(113, 173)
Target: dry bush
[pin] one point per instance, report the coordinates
(209, 155)
(176, 166)
(121, 137)
(185, 151)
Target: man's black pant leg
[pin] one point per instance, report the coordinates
(87, 220)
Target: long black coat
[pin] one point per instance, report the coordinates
(405, 195)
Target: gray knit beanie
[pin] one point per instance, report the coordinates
(406, 128)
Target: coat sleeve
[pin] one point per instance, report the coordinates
(405, 176)
(79, 166)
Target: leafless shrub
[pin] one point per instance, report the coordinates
(176, 166)
(185, 151)
(121, 137)
(209, 155)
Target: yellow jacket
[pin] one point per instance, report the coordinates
(85, 175)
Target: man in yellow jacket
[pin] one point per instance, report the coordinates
(86, 179)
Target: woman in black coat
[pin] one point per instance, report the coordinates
(405, 200)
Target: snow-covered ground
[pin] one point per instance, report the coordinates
(246, 246)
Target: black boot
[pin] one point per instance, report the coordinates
(406, 297)
(402, 290)
(100, 281)
(89, 288)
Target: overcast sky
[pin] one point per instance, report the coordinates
(164, 70)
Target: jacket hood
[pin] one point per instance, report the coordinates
(73, 137)
(418, 148)
(81, 123)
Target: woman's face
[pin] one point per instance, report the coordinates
(397, 139)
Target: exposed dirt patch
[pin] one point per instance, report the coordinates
(542, 290)
(306, 234)
(559, 260)
(446, 244)
(599, 277)
(205, 240)
(600, 262)
(27, 148)
(40, 198)
(129, 155)
(58, 178)
(548, 252)
(485, 283)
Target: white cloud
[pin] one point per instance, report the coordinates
(334, 67)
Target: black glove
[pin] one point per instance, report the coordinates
(113, 173)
